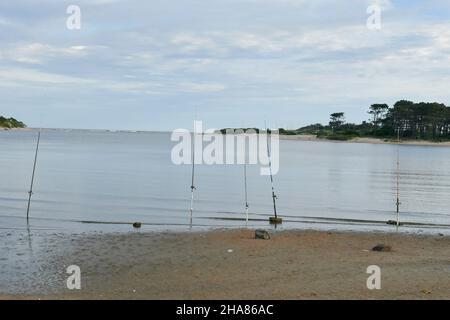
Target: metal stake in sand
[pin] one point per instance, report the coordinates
(30, 193)
(246, 197)
(273, 220)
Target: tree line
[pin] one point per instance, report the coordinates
(405, 119)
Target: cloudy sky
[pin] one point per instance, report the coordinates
(153, 65)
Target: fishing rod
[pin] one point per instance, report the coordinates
(246, 195)
(275, 219)
(30, 193)
(192, 177)
(398, 179)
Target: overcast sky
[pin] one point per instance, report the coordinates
(151, 65)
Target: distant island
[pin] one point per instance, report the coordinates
(11, 123)
(406, 120)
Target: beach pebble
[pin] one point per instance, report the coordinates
(381, 248)
(262, 234)
(230, 250)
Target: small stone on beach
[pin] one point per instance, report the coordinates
(381, 248)
(262, 234)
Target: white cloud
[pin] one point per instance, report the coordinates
(23, 76)
(201, 87)
(39, 53)
(189, 43)
(5, 22)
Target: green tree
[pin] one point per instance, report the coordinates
(10, 123)
(337, 119)
(378, 112)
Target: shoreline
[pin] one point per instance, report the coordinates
(299, 137)
(231, 264)
(367, 140)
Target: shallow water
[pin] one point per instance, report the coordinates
(118, 177)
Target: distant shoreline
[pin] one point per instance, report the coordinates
(81, 130)
(298, 137)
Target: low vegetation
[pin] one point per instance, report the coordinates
(10, 123)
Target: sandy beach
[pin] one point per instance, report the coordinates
(231, 264)
(308, 137)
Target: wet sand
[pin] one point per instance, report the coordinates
(231, 264)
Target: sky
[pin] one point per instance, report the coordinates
(157, 65)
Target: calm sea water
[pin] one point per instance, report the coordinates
(85, 176)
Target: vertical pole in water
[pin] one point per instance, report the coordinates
(246, 197)
(398, 179)
(275, 220)
(193, 176)
(271, 179)
(30, 193)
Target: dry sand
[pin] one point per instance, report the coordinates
(231, 264)
(308, 137)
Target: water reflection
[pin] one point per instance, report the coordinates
(126, 177)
